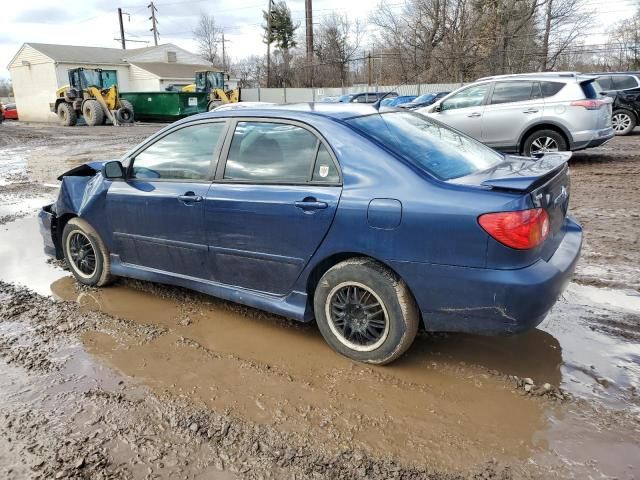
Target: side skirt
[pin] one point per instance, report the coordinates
(294, 305)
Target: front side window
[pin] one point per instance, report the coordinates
(184, 154)
(507, 92)
(469, 97)
(623, 82)
(435, 148)
(271, 152)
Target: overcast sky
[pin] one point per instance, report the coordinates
(95, 22)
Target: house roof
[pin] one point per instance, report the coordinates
(92, 55)
(171, 70)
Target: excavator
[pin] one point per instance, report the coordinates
(88, 96)
(213, 82)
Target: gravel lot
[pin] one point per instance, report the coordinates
(141, 380)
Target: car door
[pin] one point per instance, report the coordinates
(271, 205)
(157, 213)
(513, 106)
(463, 110)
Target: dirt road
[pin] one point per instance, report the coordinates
(141, 380)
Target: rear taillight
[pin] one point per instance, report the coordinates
(589, 104)
(521, 229)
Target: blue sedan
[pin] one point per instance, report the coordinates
(370, 222)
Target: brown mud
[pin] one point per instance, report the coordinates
(140, 380)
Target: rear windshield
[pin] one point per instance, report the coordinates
(434, 147)
(589, 89)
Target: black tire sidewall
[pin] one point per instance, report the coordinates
(99, 254)
(560, 140)
(382, 282)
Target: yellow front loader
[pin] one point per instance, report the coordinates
(213, 82)
(86, 97)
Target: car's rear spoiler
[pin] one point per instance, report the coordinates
(518, 173)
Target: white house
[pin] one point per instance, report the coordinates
(39, 69)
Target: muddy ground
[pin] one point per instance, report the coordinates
(141, 380)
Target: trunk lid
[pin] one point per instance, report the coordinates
(546, 181)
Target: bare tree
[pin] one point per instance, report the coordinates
(564, 23)
(207, 35)
(6, 89)
(337, 41)
(249, 71)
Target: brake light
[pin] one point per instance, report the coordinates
(520, 229)
(589, 104)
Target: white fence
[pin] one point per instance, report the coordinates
(294, 95)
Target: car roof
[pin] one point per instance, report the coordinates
(296, 111)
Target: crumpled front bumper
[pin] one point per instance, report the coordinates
(48, 230)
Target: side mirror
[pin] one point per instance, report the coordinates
(113, 170)
(438, 108)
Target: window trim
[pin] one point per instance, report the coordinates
(231, 128)
(131, 158)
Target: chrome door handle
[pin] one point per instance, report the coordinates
(531, 110)
(311, 205)
(474, 114)
(190, 197)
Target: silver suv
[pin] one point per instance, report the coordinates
(529, 114)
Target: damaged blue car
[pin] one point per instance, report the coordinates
(372, 222)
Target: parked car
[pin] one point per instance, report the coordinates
(624, 88)
(529, 114)
(366, 97)
(10, 111)
(330, 99)
(424, 100)
(396, 101)
(368, 221)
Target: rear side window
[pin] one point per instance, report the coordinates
(324, 169)
(271, 152)
(604, 83)
(622, 82)
(184, 154)
(549, 89)
(507, 92)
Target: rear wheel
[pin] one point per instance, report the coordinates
(543, 141)
(93, 113)
(365, 312)
(623, 122)
(67, 115)
(85, 253)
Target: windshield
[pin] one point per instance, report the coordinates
(90, 78)
(424, 98)
(437, 149)
(216, 79)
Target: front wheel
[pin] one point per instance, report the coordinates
(365, 312)
(543, 141)
(85, 253)
(623, 122)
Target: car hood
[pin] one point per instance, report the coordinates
(84, 170)
(517, 173)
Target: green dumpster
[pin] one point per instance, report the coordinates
(166, 106)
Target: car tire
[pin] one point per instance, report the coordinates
(81, 244)
(93, 113)
(623, 122)
(543, 141)
(125, 114)
(67, 115)
(359, 297)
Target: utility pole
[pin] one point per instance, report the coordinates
(124, 43)
(369, 69)
(224, 57)
(308, 10)
(269, 46)
(154, 22)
